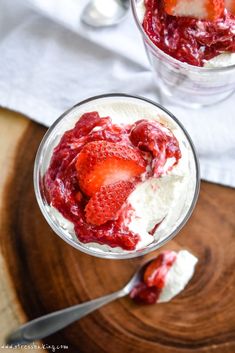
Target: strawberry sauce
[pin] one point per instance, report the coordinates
(154, 279)
(188, 39)
(61, 180)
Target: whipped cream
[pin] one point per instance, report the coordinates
(163, 200)
(178, 276)
(222, 60)
(151, 201)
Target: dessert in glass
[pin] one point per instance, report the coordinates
(191, 47)
(116, 176)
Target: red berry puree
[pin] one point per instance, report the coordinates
(188, 39)
(95, 167)
(154, 279)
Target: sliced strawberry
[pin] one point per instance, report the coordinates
(204, 10)
(230, 6)
(102, 163)
(104, 204)
(215, 9)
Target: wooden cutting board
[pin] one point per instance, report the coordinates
(41, 273)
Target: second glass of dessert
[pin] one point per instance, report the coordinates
(116, 176)
(191, 47)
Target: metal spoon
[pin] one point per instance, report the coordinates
(48, 324)
(102, 13)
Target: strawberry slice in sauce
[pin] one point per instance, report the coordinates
(105, 204)
(103, 163)
(230, 6)
(206, 9)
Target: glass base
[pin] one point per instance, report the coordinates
(191, 100)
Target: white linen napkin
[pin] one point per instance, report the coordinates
(49, 61)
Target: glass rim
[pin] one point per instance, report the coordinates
(59, 231)
(168, 57)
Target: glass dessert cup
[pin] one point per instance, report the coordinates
(173, 221)
(187, 85)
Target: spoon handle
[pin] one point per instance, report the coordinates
(48, 324)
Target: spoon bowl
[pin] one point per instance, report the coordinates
(100, 13)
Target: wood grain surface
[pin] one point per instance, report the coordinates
(12, 128)
(45, 274)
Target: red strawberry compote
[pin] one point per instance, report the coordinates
(193, 40)
(119, 174)
(97, 165)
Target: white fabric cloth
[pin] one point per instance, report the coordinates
(49, 61)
